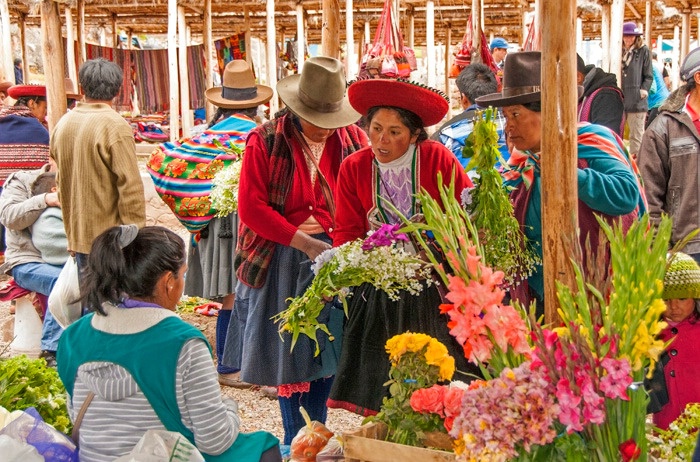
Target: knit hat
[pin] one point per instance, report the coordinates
(682, 278)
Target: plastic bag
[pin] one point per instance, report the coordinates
(159, 445)
(310, 440)
(333, 451)
(16, 451)
(64, 294)
(51, 444)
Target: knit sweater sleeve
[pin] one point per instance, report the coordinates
(49, 237)
(214, 423)
(608, 186)
(131, 202)
(253, 195)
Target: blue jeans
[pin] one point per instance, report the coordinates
(41, 277)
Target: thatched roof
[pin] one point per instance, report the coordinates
(501, 17)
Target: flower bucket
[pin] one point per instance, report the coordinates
(366, 444)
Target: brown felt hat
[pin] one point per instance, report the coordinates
(521, 81)
(318, 95)
(238, 88)
(4, 85)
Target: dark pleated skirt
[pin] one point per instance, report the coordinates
(265, 358)
(373, 319)
(210, 272)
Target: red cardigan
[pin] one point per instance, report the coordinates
(357, 186)
(303, 199)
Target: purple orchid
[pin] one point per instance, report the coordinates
(384, 236)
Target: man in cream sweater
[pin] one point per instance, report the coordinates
(99, 184)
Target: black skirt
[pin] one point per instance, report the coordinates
(373, 318)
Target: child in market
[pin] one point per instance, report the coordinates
(48, 232)
(682, 357)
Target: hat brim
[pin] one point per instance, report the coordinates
(213, 95)
(287, 89)
(18, 91)
(498, 100)
(427, 104)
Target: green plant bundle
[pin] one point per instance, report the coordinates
(677, 443)
(28, 383)
(505, 246)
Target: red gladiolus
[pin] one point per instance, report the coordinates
(630, 451)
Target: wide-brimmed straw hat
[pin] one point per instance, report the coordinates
(238, 88)
(521, 81)
(427, 103)
(317, 95)
(18, 91)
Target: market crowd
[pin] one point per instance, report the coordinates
(339, 161)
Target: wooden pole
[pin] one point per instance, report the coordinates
(476, 31)
(579, 35)
(209, 54)
(559, 146)
(617, 17)
(115, 32)
(22, 26)
(349, 41)
(7, 60)
(54, 69)
(685, 33)
(430, 41)
(172, 71)
(675, 75)
(246, 21)
(411, 27)
(185, 113)
(647, 25)
(301, 38)
(448, 46)
(605, 37)
(70, 48)
(82, 55)
(330, 29)
(272, 55)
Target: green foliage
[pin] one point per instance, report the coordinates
(188, 304)
(505, 246)
(677, 443)
(28, 383)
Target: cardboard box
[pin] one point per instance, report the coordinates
(367, 444)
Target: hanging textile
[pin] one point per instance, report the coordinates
(197, 75)
(228, 49)
(124, 59)
(152, 80)
(463, 57)
(532, 42)
(388, 57)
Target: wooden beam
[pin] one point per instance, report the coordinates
(81, 33)
(634, 11)
(272, 55)
(209, 55)
(301, 37)
(605, 36)
(70, 48)
(7, 71)
(22, 26)
(617, 17)
(476, 31)
(54, 69)
(185, 112)
(349, 41)
(559, 147)
(172, 71)
(430, 41)
(115, 32)
(647, 24)
(330, 29)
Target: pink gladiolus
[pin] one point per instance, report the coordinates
(614, 384)
(569, 412)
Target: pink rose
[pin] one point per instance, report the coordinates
(453, 401)
(429, 400)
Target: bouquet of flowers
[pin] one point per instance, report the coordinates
(677, 444)
(224, 191)
(418, 362)
(378, 259)
(491, 210)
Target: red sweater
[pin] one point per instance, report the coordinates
(357, 186)
(303, 200)
(682, 371)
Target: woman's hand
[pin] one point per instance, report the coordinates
(307, 244)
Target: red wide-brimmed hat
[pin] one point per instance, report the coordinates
(18, 91)
(429, 104)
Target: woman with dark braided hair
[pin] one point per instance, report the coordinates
(133, 365)
(371, 184)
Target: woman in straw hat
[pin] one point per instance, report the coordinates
(286, 204)
(400, 162)
(608, 185)
(210, 274)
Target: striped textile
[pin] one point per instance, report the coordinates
(228, 49)
(124, 59)
(197, 75)
(24, 142)
(182, 172)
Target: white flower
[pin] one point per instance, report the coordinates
(322, 259)
(224, 191)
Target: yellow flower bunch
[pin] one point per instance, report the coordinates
(433, 352)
